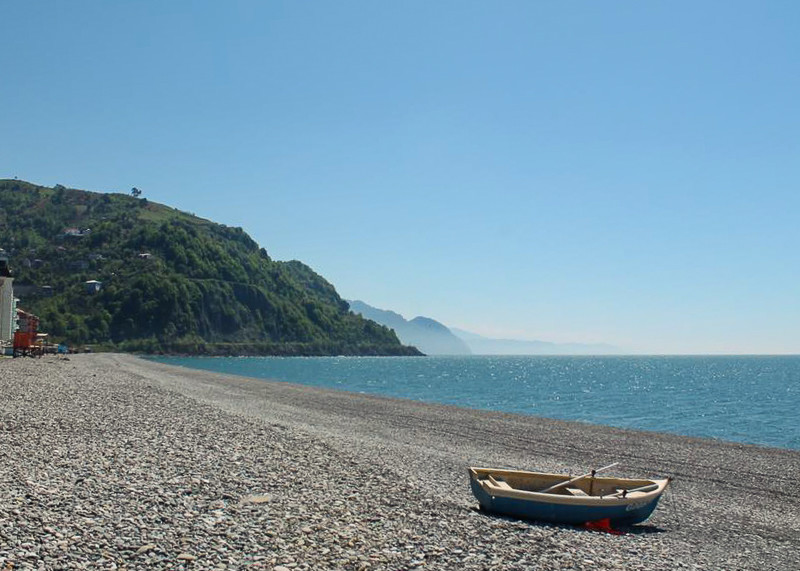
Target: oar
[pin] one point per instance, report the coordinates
(623, 493)
(575, 479)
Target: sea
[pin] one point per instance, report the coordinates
(749, 399)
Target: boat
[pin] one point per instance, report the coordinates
(558, 498)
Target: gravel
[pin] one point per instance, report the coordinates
(113, 462)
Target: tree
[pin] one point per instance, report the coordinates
(135, 192)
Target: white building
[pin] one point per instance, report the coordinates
(8, 312)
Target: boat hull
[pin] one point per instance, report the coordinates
(619, 512)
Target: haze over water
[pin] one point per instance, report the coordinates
(749, 399)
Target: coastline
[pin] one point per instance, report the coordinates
(181, 467)
(745, 406)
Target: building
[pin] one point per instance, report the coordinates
(27, 339)
(8, 314)
(28, 322)
(93, 286)
(25, 290)
(76, 232)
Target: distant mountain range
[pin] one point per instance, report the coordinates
(434, 338)
(427, 335)
(480, 345)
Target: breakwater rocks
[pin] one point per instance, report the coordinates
(112, 462)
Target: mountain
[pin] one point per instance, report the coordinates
(168, 281)
(430, 336)
(480, 345)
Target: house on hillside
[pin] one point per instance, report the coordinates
(25, 290)
(93, 286)
(76, 232)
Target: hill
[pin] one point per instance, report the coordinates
(169, 281)
(480, 345)
(429, 335)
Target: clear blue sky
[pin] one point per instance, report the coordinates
(618, 172)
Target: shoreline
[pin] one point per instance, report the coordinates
(171, 455)
(763, 443)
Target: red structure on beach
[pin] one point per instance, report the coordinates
(25, 338)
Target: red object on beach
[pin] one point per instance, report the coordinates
(23, 339)
(603, 525)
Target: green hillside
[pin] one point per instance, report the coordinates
(171, 282)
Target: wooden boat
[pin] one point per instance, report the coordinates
(562, 499)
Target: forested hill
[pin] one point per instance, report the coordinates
(170, 281)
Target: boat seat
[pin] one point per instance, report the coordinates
(499, 483)
(575, 491)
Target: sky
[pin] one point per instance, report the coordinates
(597, 172)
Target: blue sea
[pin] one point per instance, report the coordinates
(751, 399)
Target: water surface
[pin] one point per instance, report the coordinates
(745, 399)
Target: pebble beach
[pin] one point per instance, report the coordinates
(110, 461)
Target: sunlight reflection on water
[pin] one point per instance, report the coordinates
(746, 399)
